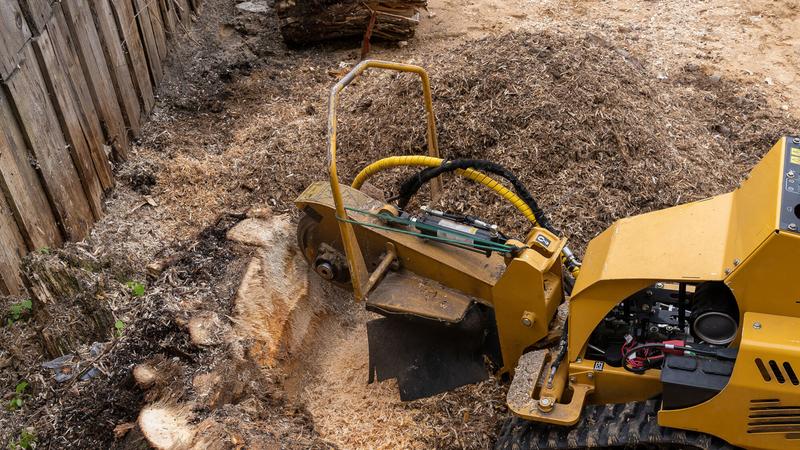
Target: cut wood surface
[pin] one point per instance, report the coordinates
(142, 17)
(33, 107)
(123, 12)
(121, 75)
(65, 103)
(66, 51)
(15, 34)
(21, 184)
(306, 21)
(95, 69)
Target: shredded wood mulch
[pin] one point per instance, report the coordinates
(592, 132)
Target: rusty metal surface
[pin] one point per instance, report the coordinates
(405, 293)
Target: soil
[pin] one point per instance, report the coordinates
(604, 109)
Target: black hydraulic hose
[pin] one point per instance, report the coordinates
(562, 353)
(412, 185)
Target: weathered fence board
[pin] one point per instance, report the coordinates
(77, 80)
(12, 249)
(37, 12)
(90, 122)
(168, 16)
(184, 13)
(66, 108)
(31, 102)
(118, 64)
(15, 34)
(21, 184)
(151, 7)
(142, 15)
(95, 69)
(137, 60)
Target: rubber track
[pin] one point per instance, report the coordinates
(625, 425)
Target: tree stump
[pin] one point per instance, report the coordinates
(309, 21)
(69, 308)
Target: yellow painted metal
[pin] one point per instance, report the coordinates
(639, 251)
(751, 412)
(358, 271)
(734, 238)
(490, 280)
(540, 269)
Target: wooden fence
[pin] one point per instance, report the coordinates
(78, 80)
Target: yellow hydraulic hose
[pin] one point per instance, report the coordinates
(474, 175)
(430, 161)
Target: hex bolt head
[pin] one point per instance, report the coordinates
(737, 261)
(796, 140)
(757, 325)
(791, 174)
(590, 375)
(659, 285)
(792, 226)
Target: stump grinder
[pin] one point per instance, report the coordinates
(680, 328)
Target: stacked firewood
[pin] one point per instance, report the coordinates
(306, 21)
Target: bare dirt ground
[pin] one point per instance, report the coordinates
(604, 109)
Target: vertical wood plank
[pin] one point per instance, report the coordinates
(142, 14)
(12, 249)
(37, 13)
(95, 68)
(168, 18)
(15, 33)
(66, 52)
(118, 64)
(158, 28)
(184, 13)
(66, 108)
(21, 185)
(129, 31)
(43, 135)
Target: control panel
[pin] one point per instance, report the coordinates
(790, 200)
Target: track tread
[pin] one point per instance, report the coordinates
(605, 426)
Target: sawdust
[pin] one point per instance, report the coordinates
(592, 104)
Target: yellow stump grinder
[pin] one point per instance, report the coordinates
(681, 327)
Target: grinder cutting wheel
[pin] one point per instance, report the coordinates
(682, 324)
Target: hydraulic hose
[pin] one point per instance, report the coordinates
(522, 199)
(430, 161)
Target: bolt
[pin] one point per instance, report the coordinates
(796, 140)
(590, 375)
(790, 174)
(659, 285)
(573, 379)
(737, 261)
(757, 325)
(579, 360)
(528, 319)
(792, 226)
(728, 271)
(545, 404)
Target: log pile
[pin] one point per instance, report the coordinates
(308, 21)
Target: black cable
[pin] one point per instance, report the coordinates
(412, 185)
(662, 346)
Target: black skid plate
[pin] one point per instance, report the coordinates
(429, 357)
